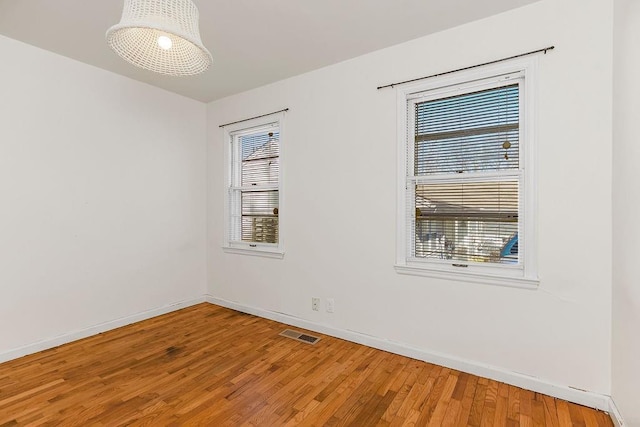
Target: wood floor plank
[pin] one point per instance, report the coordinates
(491, 397)
(513, 410)
(207, 365)
(537, 411)
(575, 411)
(526, 410)
(467, 401)
(502, 405)
(440, 406)
(477, 408)
(550, 411)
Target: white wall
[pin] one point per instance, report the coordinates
(102, 197)
(626, 208)
(340, 197)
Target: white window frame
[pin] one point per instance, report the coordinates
(525, 274)
(269, 250)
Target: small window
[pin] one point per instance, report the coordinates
(467, 184)
(254, 188)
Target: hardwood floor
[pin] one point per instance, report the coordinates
(207, 365)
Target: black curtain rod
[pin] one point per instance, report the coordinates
(469, 67)
(256, 117)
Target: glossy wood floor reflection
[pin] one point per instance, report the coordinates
(207, 365)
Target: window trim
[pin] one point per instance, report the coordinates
(268, 250)
(524, 276)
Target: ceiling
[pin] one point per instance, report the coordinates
(253, 42)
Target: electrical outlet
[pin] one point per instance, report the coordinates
(315, 304)
(330, 305)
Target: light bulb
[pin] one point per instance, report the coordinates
(165, 42)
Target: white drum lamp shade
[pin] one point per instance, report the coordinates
(161, 36)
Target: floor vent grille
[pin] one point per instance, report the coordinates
(299, 336)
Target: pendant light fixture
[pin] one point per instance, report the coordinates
(161, 36)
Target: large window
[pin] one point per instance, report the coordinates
(253, 192)
(466, 180)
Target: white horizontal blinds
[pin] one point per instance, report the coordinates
(260, 216)
(254, 194)
(467, 221)
(467, 133)
(260, 158)
(465, 202)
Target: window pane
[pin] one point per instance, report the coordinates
(260, 171)
(260, 216)
(467, 221)
(477, 131)
(260, 229)
(260, 153)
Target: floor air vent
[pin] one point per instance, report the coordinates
(299, 336)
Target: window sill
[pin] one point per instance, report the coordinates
(266, 253)
(472, 277)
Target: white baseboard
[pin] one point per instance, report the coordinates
(95, 329)
(586, 398)
(615, 414)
